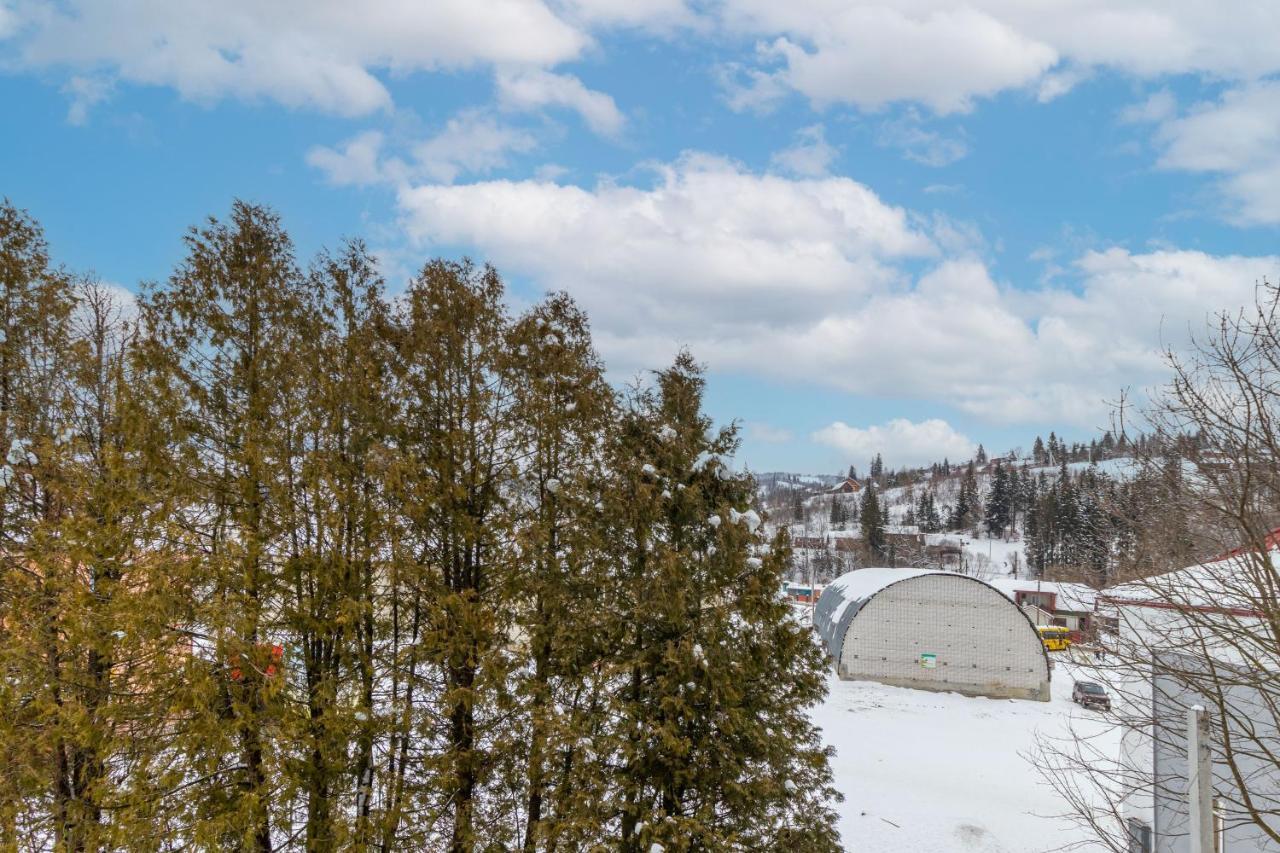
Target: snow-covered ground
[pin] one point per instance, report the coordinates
(986, 557)
(929, 772)
(1121, 468)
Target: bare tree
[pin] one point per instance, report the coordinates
(1208, 484)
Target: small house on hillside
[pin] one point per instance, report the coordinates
(1070, 605)
(847, 486)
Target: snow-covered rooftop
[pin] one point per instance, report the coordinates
(845, 596)
(1243, 582)
(1072, 597)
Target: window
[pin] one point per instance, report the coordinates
(1139, 836)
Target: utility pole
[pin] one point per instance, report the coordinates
(1199, 782)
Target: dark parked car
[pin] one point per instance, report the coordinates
(1091, 695)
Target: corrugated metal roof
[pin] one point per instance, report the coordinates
(846, 595)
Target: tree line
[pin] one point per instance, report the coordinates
(289, 563)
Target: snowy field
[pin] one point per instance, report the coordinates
(929, 772)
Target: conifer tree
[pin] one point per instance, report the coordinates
(334, 548)
(967, 504)
(291, 567)
(36, 411)
(458, 445)
(999, 507)
(839, 512)
(933, 520)
(563, 411)
(228, 335)
(714, 748)
(872, 523)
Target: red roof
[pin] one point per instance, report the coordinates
(1271, 543)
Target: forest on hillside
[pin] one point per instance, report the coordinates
(1100, 513)
(287, 562)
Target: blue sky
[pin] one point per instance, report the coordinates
(903, 226)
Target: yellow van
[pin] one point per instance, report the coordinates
(1054, 637)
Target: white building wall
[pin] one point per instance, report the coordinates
(981, 643)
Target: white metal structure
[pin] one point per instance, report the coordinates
(931, 630)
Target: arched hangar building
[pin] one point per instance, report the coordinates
(931, 630)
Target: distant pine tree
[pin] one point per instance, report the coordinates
(839, 512)
(872, 522)
(999, 507)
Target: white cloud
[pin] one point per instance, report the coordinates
(8, 22)
(927, 147)
(1238, 138)
(902, 442)
(870, 53)
(472, 142)
(534, 89)
(709, 247)
(653, 15)
(811, 155)
(322, 54)
(332, 55)
(85, 93)
(1157, 107)
(808, 280)
(357, 162)
(1058, 83)
(548, 172)
(768, 433)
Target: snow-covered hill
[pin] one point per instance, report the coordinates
(803, 504)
